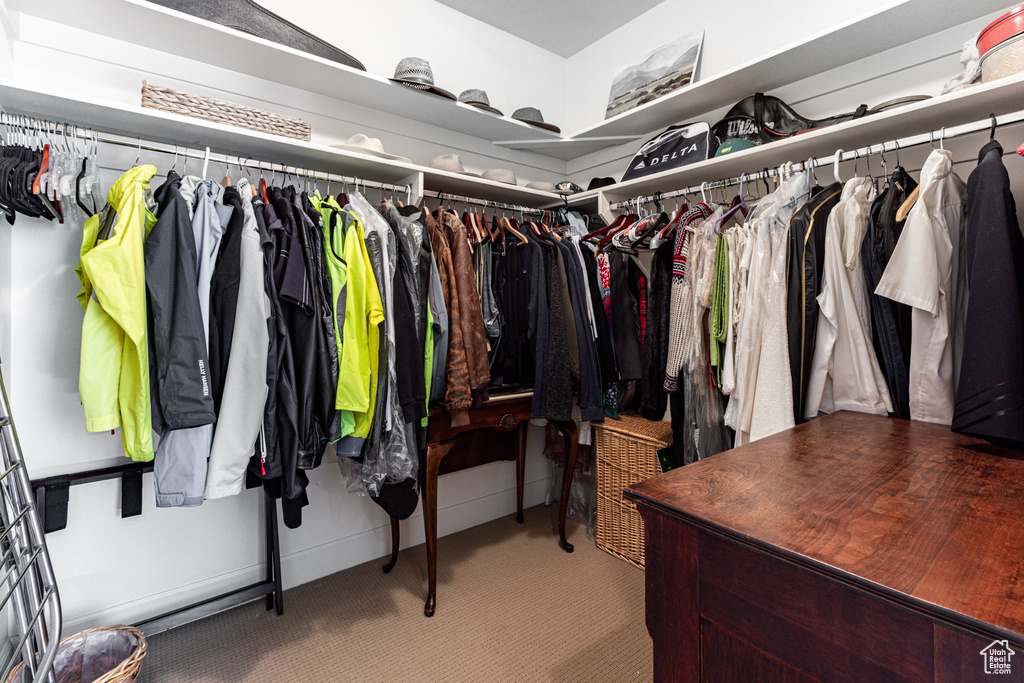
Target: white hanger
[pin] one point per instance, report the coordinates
(703, 192)
(206, 162)
(835, 165)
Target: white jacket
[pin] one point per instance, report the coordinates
(926, 272)
(845, 373)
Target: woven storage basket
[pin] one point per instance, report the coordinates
(219, 111)
(125, 672)
(626, 451)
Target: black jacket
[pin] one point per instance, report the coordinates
(279, 470)
(654, 352)
(181, 395)
(301, 294)
(537, 322)
(806, 269)
(224, 294)
(990, 393)
(328, 383)
(410, 304)
(605, 351)
(625, 322)
(591, 396)
(558, 389)
(890, 329)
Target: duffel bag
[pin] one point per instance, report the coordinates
(761, 118)
(674, 147)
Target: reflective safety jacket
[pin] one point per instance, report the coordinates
(114, 376)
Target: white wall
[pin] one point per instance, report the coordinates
(746, 31)
(917, 67)
(463, 52)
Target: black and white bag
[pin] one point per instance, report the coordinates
(674, 147)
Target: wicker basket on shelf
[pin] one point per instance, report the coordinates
(220, 111)
(627, 453)
(125, 672)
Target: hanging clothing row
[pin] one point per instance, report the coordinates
(850, 296)
(254, 327)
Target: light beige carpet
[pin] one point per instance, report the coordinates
(511, 606)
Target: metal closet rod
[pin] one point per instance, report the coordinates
(932, 137)
(459, 199)
(31, 125)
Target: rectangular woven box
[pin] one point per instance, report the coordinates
(627, 452)
(221, 111)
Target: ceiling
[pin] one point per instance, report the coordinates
(561, 26)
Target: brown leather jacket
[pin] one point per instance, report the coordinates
(474, 334)
(457, 397)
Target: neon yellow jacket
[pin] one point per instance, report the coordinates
(114, 377)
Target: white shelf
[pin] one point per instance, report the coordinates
(892, 25)
(999, 97)
(144, 23)
(568, 149)
(173, 129)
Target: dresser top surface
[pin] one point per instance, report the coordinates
(909, 508)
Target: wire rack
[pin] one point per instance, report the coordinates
(30, 604)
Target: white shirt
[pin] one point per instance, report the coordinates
(925, 272)
(845, 373)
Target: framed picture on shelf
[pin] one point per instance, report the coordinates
(664, 70)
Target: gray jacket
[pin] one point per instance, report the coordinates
(245, 387)
(180, 463)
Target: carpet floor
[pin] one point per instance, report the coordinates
(511, 606)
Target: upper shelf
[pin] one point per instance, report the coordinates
(567, 149)
(167, 30)
(897, 23)
(999, 97)
(173, 129)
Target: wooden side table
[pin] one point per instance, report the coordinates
(505, 414)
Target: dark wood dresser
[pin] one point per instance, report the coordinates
(850, 548)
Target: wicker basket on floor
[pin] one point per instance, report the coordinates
(220, 111)
(125, 672)
(626, 451)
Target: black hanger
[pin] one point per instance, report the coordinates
(78, 191)
(992, 130)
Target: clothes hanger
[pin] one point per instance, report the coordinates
(905, 208)
(506, 224)
(206, 162)
(667, 229)
(627, 222)
(741, 206)
(601, 231)
(764, 179)
(225, 182)
(263, 185)
(885, 164)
